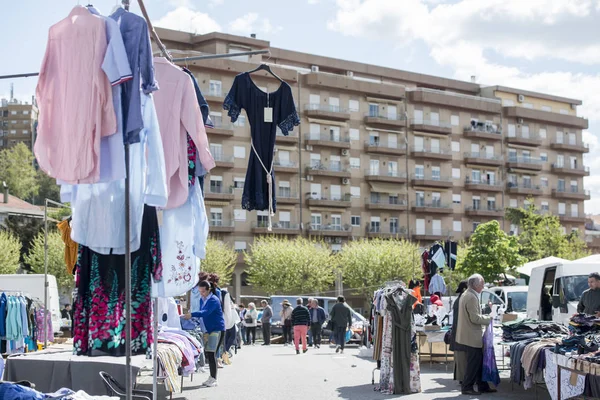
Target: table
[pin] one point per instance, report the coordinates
(435, 337)
(56, 368)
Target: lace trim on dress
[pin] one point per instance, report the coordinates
(288, 124)
(249, 204)
(233, 110)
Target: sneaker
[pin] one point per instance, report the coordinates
(285, 345)
(337, 349)
(304, 351)
(219, 364)
(297, 351)
(318, 346)
(211, 382)
(342, 351)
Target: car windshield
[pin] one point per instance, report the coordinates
(574, 286)
(518, 301)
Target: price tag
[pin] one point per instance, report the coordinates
(268, 114)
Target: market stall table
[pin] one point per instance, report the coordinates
(432, 337)
(54, 368)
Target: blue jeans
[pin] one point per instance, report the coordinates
(340, 336)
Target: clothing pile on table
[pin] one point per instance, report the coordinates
(527, 360)
(21, 324)
(179, 354)
(395, 341)
(13, 391)
(582, 324)
(523, 329)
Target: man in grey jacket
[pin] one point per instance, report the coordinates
(469, 333)
(341, 317)
(265, 320)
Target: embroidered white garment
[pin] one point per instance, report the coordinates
(167, 313)
(183, 236)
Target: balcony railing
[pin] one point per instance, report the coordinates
(525, 160)
(433, 232)
(483, 155)
(395, 146)
(429, 122)
(341, 198)
(285, 164)
(523, 135)
(483, 207)
(220, 157)
(522, 185)
(384, 200)
(323, 137)
(333, 167)
(484, 128)
(219, 124)
(471, 181)
(433, 204)
(386, 230)
(572, 190)
(330, 228)
(276, 225)
(431, 150)
(287, 195)
(430, 177)
(390, 174)
(388, 117)
(221, 223)
(571, 168)
(325, 108)
(216, 93)
(219, 189)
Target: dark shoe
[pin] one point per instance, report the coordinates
(489, 390)
(304, 351)
(470, 392)
(337, 349)
(310, 345)
(297, 351)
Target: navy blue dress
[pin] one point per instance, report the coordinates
(244, 94)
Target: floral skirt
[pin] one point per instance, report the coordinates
(99, 315)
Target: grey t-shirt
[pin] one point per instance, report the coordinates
(590, 302)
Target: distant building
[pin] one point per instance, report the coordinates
(12, 205)
(18, 123)
(592, 233)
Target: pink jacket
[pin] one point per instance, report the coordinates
(178, 112)
(75, 99)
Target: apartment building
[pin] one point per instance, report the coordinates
(18, 121)
(387, 153)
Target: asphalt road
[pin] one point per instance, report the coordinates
(277, 373)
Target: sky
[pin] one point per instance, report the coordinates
(549, 46)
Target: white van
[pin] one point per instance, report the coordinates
(565, 281)
(33, 285)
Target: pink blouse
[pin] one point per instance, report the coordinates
(75, 99)
(178, 112)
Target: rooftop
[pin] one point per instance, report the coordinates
(15, 205)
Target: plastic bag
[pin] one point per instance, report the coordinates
(490, 369)
(348, 335)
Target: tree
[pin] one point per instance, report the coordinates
(16, 169)
(282, 266)
(56, 260)
(10, 254)
(492, 252)
(25, 229)
(541, 235)
(220, 259)
(367, 264)
(48, 189)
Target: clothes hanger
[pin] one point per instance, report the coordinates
(266, 67)
(116, 7)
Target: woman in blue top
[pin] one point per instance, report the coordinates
(212, 316)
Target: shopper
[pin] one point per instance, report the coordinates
(310, 336)
(251, 321)
(265, 320)
(469, 333)
(286, 321)
(301, 322)
(341, 318)
(242, 325)
(590, 299)
(460, 355)
(212, 316)
(317, 319)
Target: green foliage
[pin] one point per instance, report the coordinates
(59, 213)
(56, 260)
(220, 259)
(16, 169)
(492, 252)
(282, 266)
(25, 229)
(366, 264)
(541, 235)
(48, 189)
(10, 254)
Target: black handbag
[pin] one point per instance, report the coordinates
(248, 320)
(448, 336)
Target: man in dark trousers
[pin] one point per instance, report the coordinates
(469, 333)
(267, 314)
(341, 318)
(300, 322)
(317, 319)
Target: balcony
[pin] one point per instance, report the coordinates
(433, 153)
(335, 170)
(571, 217)
(323, 111)
(524, 138)
(455, 100)
(374, 231)
(572, 193)
(383, 148)
(431, 181)
(220, 129)
(223, 161)
(372, 175)
(287, 198)
(346, 83)
(278, 228)
(570, 170)
(330, 230)
(524, 189)
(482, 211)
(482, 185)
(386, 204)
(218, 193)
(525, 163)
(431, 234)
(221, 226)
(314, 200)
(292, 138)
(482, 131)
(215, 96)
(289, 167)
(385, 121)
(485, 159)
(435, 207)
(575, 147)
(327, 140)
(547, 117)
(431, 126)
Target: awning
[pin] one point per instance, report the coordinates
(384, 187)
(327, 122)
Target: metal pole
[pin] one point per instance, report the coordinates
(213, 56)
(46, 274)
(128, 371)
(155, 353)
(300, 197)
(407, 175)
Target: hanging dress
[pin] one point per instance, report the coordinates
(244, 94)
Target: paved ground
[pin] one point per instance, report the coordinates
(276, 373)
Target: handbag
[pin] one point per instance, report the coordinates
(248, 319)
(448, 336)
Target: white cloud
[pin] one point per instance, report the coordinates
(253, 23)
(185, 19)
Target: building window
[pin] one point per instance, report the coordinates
(217, 118)
(547, 108)
(353, 105)
(216, 216)
(13, 132)
(216, 88)
(454, 120)
(476, 176)
(563, 111)
(528, 105)
(238, 183)
(476, 203)
(545, 207)
(561, 185)
(394, 199)
(354, 134)
(420, 199)
(284, 189)
(373, 110)
(241, 122)
(284, 219)
(436, 173)
(374, 138)
(456, 198)
(354, 162)
(375, 224)
(475, 225)
(262, 219)
(315, 221)
(542, 133)
(508, 103)
(457, 226)
(355, 191)
(436, 199)
(514, 203)
(419, 172)
(394, 227)
(13, 112)
(512, 130)
(544, 156)
(25, 112)
(560, 137)
(544, 181)
(456, 173)
(355, 220)
(239, 151)
(216, 184)
(491, 203)
(435, 118)
(455, 147)
(240, 246)
(336, 222)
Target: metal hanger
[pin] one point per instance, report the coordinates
(266, 67)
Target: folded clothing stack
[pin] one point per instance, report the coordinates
(523, 329)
